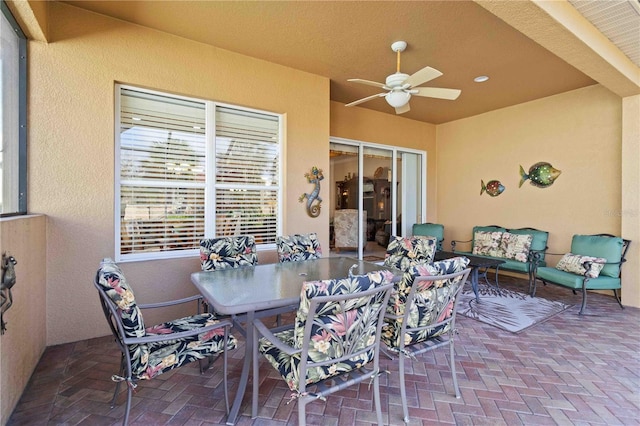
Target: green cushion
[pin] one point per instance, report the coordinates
(539, 241)
(429, 230)
(567, 279)
(600, 246)
(514, 265)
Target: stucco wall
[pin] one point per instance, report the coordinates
(71, 147)
(578, 132)
(25, 338)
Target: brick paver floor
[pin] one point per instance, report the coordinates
(582, 370)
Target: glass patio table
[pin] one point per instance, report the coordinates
(265, 290)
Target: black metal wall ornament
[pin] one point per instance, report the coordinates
(8, 281)
(314, 177)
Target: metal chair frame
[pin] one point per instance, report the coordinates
(112, 314)
(327, 386)
(432, 343)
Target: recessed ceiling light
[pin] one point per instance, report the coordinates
(481, 79)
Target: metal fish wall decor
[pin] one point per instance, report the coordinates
(540, 174)
(493, 188)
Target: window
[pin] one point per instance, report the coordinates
(189, 169)
(13, 145)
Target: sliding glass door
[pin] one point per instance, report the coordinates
(373, 187)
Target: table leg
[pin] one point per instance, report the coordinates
(474, 282)
(246, 367)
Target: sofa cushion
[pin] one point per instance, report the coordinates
(487, 243)
(516, 246)
(574, 263)
(539, 241)
(609, 248)
(490, 228)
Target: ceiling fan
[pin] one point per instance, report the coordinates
(400, 87)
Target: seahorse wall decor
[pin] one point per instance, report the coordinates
(313, 199)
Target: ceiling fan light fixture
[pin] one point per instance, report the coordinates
(397, 98)
(481, 79)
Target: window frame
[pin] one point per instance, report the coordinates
(211, 183)
(22, 115)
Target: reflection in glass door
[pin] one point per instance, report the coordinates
(410, 190)
(389, 199)
(377, 196)
(346, 225)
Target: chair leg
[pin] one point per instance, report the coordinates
(224, 369)
(302, 410)
(115, 393)
(617, 296)
(125, 422)
(256, 378)
(584, 301)
(403, 390)
(452, 354)
(376, 398)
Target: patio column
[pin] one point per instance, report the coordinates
(630, 206)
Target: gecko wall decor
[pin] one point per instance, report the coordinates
(313, 199)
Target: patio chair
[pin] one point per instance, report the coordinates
(594, 263)
(297, 247)
(150, 351)
(335, 335)
(231, 252)
(430, 230)
(228, 252)
(403, 253)
(421, 314)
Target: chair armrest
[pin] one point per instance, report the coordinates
(454, 242)
(535, 256)
(175, 336)
(587, 264)
(170, 302)
(262, 329)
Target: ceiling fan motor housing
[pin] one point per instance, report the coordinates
(394, 81)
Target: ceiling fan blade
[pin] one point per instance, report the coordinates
(436, 92)
(422, 76)
(368, 98)
(367, 82)
(403, 109)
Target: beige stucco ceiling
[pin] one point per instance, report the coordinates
(342, 40)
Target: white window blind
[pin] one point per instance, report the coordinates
(166, 206)
(247, 173)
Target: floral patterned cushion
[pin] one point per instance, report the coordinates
(167, 355)
(334, 329)
(487, 243)
(227, 252)
(574, 263)
(403, 253)
(516, 246)
(433, 302)
(114, 284)
(149, 360)
(294, 248)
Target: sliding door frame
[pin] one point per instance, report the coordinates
(396, 152)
